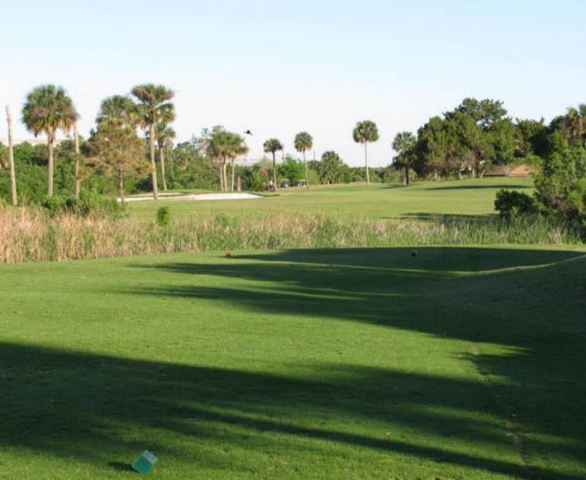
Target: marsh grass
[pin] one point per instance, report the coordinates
(28, 235)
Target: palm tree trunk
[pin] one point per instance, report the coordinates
(225, 175)
(121, 184)
(232, 182)
(77, 169)
(11, 158)
(406, 176)
(162, 157)
(153, 162)
(50, 143)
(221, 175)
(366, 163)
(306, 171)
(274, 172)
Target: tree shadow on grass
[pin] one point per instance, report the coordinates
(480, 187)
(446, 218)
(102, 410)
(484, 296)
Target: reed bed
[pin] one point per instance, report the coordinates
(28, 235)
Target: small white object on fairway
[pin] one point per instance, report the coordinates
(197, 197)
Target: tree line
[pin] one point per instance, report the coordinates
(469, 140)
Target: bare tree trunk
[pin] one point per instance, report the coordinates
(153, 162)
(50, 145)
(225, 175)
(366, 163)
(11, 158)
(232, 182)
(121, 185)
(306, 171)
(274, 172)
(77, 159)
(162, 158)
(172, 167)
(406, 176)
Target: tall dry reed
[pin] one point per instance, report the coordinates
(27, 235)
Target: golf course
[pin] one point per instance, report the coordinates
(293, 240)
(379, 201)
(391, 362)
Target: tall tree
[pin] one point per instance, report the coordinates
(436, 147)
(404, 145)
(48, 109)
(272, 146)
(14, 197)
(165, 135)
(118, 151)
(304, 142)
(332, 168)
(77, 154)
(224, 147)
(365, 132)
(473, 144)
(116, 147)
(154, 107)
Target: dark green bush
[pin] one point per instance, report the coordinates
(510, 203)
(163, 216)
(88, 203)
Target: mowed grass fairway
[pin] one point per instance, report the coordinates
(457, 363)
(465, 197)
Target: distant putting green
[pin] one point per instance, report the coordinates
(445, 363)
(466, 197)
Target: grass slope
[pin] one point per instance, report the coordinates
(466, 197)
(457, 363)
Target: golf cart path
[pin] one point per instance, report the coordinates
(196, 197)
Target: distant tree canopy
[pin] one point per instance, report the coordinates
(365, 132)
(479, 134)
(470, 139)
(293, 170)
(332, 168)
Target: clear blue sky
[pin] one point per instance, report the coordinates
(278, 67)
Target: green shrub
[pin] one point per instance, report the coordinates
(88, 203)
(510, 203)
(163, 216)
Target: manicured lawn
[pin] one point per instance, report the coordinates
(457, 363)
(467, 197)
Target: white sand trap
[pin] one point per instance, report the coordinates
(196, 197)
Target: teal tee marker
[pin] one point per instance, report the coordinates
(145, 462)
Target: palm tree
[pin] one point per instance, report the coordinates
(365, 132)
(574, 126)
(164, 136)
(403, 144)
(119, 109)
(239, 147)
(224, 147)
(303, 142)
(48, 109)
(272, 146)
(154, 107)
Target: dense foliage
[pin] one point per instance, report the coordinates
(473, 139)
